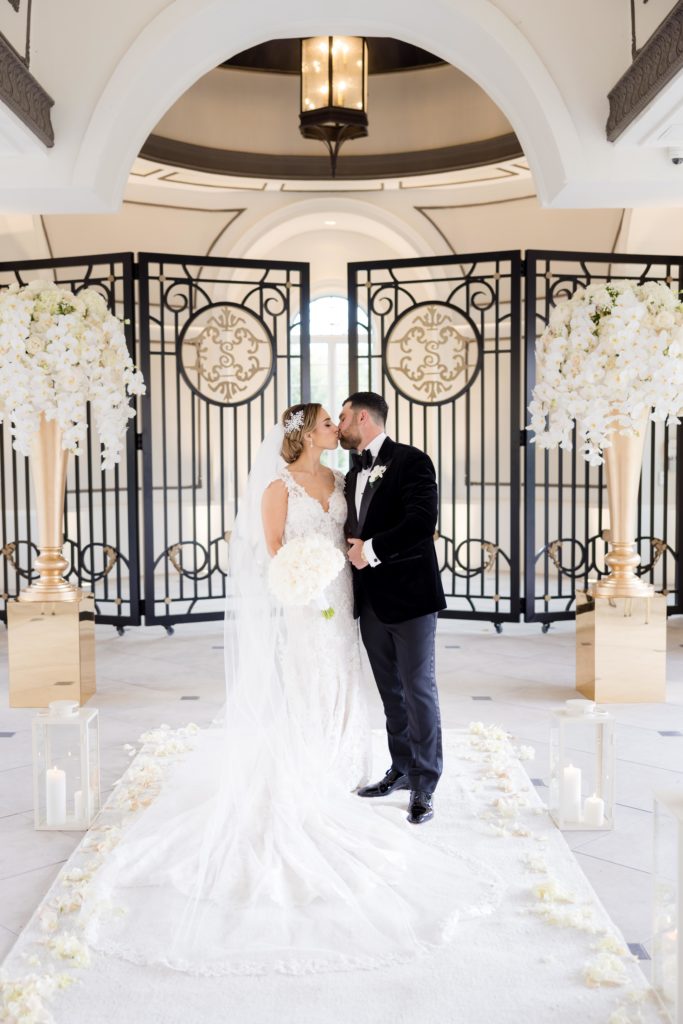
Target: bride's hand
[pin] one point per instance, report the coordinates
(356, 553)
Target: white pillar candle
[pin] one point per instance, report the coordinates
(594, 811)
(79, 805)
(571, 793)
(55, 796)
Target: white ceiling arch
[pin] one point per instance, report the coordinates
(186, 39)
(329, 233)
(321, 214)
(189, 38)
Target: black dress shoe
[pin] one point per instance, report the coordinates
(391, 781)
(420, 807)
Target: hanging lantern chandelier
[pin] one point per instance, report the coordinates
(334, 91)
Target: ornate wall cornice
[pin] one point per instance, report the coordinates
(660, 59)
(302, 168)
(24, 95)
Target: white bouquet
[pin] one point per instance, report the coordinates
(302, 568)
(610, 353)
(59, 351)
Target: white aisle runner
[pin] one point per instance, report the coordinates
(549, 953)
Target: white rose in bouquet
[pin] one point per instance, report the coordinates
(59, 351)
(302, 569)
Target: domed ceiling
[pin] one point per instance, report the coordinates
(241, 119)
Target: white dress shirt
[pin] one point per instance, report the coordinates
(361, 484)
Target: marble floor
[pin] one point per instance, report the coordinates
(146, 677)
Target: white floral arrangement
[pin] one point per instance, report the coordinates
(376, 474)
(302, 569)
(610, 354)
(59, 351)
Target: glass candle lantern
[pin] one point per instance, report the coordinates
(582, 763)
(66, 766)
(667, 975)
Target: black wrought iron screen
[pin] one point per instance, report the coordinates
(565, 499)
(101, 506)
(440, 339)
(225, 349)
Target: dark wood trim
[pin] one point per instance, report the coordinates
(313, 168)
(24, 95)
(660, 59)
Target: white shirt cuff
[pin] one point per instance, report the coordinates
(369, 553)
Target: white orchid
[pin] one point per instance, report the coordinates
(58, 352)
(609, 354)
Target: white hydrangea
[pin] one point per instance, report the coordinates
(302, 569)
(59, 351)
(609, 355)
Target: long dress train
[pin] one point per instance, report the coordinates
(255, 856)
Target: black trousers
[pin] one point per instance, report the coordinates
(402, 658)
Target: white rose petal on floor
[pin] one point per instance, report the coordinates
(549, 952)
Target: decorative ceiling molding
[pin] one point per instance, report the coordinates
(316, 168)
(283, 56)
(500, 174)
(175, 178)
(24, 95)
(660, 59)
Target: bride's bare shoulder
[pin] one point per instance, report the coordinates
(276, 488)
(274, 497)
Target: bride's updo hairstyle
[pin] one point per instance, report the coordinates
(298, 421)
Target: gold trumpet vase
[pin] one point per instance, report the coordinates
(51, 624)
(620, 620)
(623, 462)
(49, 462)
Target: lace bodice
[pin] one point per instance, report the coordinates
(305, 514)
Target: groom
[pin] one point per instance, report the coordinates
(392, 503)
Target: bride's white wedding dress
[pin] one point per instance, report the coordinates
(256, 856)
(321, 657)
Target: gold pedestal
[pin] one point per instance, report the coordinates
(621, 648)
(51, 651)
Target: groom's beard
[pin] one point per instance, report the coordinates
(349, 443)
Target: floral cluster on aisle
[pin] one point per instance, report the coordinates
(60, 951)
(510, 815)
(609, 355)
(59, 351)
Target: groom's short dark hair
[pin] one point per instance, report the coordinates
(372, 402)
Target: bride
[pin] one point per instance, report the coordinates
(256, 857)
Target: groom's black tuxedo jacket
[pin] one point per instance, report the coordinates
(398, 513)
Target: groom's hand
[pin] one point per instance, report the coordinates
(356, 553)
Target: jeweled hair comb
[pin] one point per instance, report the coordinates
(294, 422)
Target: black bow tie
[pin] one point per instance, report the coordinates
(361, 460)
